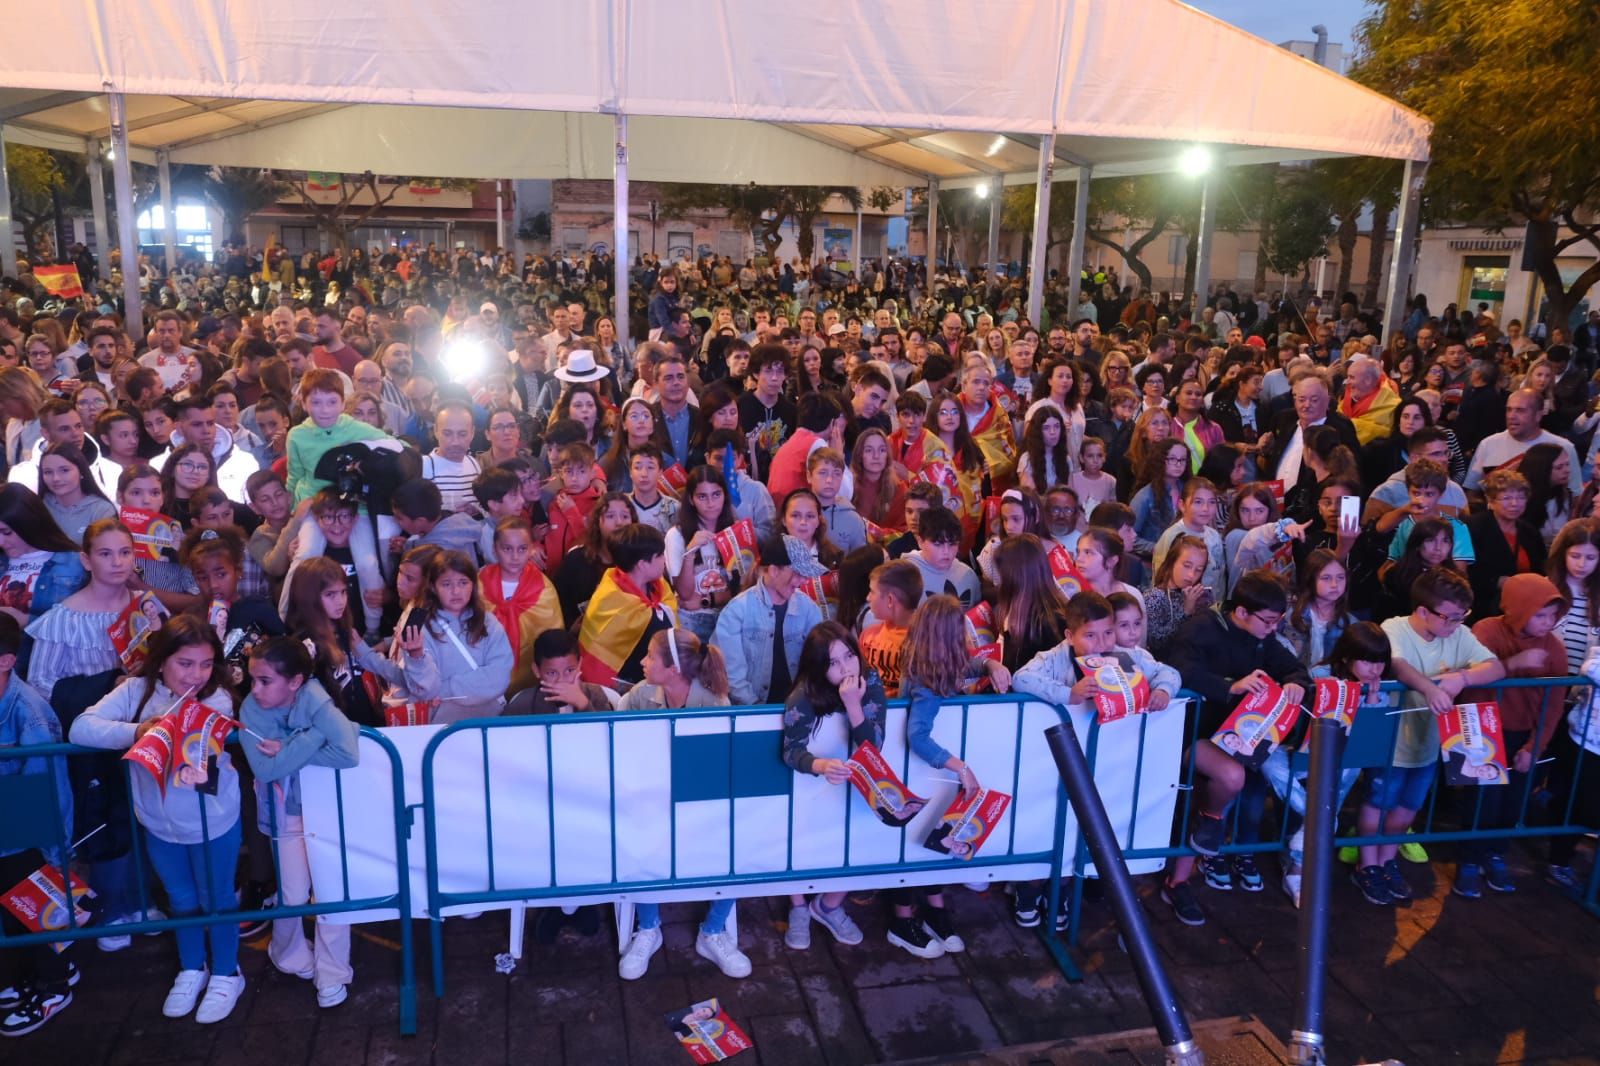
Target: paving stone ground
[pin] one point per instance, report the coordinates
(1505, 979)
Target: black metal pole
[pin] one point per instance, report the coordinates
(1159, 994)
(1311, 953)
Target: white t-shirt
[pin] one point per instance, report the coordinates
(1503, 450)
(454, 479)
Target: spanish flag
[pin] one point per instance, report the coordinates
(62, 281)
(530, 610)
(619, 616)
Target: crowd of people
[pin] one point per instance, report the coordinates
(343, 509)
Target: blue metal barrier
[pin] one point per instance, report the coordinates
(49, 836)
(715, 885)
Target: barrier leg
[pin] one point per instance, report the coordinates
(624, 911)
(1095, 826)
(519, 916)
(1322, 797)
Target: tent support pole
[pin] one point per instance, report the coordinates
(127, 235)
(8, 242)
(1402, 257)
(997, 191)
(855, 251)
(499, 214)
(1041, 230)
(933, 231)
(619, 257)
(1203, 243)
(1080, 238)
(169, 218)
(97, 198)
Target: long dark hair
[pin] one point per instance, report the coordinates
(30, 519)
(967, 454)
(74, 455)
(1576, 532)
(688, 517)
(811, 681)
(1394, 427)
(305, 617)
(179, 632)
(1029, 604)
(1410, 565)
(1039, 456)
(1360, 642)
(1536, 465)
(854, 571)
(474, 618)
(593, 544)
(1306, 592)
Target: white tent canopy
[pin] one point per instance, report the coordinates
(851, 92)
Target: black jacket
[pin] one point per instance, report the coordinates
(1212, 653)
(1300, 502)
(1495, 559)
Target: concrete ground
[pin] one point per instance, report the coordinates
(1505, 979)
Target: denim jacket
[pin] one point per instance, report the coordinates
(744, 633)
(26, 720)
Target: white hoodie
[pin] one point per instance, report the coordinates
(234, 465)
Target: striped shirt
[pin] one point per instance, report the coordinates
(1575, 631)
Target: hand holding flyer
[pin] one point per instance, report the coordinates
(737, 546)
(967, 823)
(1336, 699)
(130, 634)
(1473, 746)
(1257, 725)
(39, 902)
(883, 790)
(1065, 571)
(155, 536)
(1123, 688)
(707, 1033)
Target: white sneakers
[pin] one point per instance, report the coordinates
(636, 960)
(722, 949)
(185, 993)
(332, 995)
(798, 936)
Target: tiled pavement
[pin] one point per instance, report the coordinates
(1503, 979)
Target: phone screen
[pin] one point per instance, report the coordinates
(1349, 511)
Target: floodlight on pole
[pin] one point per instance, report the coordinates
(1196, 161)
(982, 190)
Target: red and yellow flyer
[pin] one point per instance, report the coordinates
(39, 901)
(737, 546)
(418, 712)
(982, 638)
(967, 823)
(707, 1033)
(1337, 699)
(1065, 571)
(153, 751)
(881, 787)
(1257, 726)
(1124, 690)
(130, 633)
(1473, 745)
(155, 536)
(824, 592)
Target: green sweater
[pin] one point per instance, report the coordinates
(309, 442)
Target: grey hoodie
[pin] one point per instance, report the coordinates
(313, 731)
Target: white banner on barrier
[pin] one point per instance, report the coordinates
(599, 806)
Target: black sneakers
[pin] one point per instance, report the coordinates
(35, 1009)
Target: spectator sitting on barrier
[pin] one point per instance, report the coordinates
(192, 835)
(937, 668)
(1091, 631)
(831, 678)
(680, 671)
(1223, 654)
(294, 722)
(761, 630)
(35, 982)
(1436, 657)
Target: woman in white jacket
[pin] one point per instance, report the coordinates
(192, 824)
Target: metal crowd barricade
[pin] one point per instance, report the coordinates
(43, 831)
(717, 885)
(1369, 749)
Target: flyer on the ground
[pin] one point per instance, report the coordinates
(1257, 725)
(737, 546)
(130, 634)
(155, 536)
(707, 1033)
(967, 823)
(1124, 690)
(1473, 745)
(881, 787)
(39, 901)
(1336, 699)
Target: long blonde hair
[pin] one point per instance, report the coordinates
(935, 647)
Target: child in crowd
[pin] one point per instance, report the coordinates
(1436, 657)
(880, 488)
(1128, 612)
(35, 982)
(294, 723)
(1429, 546)
(832, 678)
(317, 608)
(1523, 638)
(825, 470)
(192, 824)
(172, 584)
(762, 628)
(908, 443)
(1118, 517)
(1320, 612)
(681, 671)
(654, 507)
(1574, 566)
(1091, 630)
(937, 668)
(1018, 513)
(939, 534)
(749, 497)
(1197, 517)
(465, 663)
(920, 496)
(695, 566)
(69, 491)
(499, 495)
(802, 519)
(1225, 655)
(577, 575)
(1044, 460)
(271, 543)
(573, 501)
(632, 601)
(522, 599)
(336, 518)
(1178, 593)
(419, 514)
(1098, 559)
(559, 688)
(893, 592)
(1426, 481)
(1092, 484)
(1030, 610)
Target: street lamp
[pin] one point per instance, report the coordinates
(1195, 162)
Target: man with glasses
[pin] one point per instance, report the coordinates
(368, 378)
(1225, 656)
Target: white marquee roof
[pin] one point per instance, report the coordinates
(852, 92)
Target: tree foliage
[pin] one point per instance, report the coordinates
(238, 193)
(761, 209)
(36, 182)
(1509, 87)
(1297, 224)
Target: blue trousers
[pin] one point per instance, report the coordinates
(716, 916)
(198, 878)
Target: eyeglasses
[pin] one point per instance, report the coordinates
(1447, 619)
(339, 518)
(194, 468)
(502, 427)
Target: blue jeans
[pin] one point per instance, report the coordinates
(199, 877)
(716, 916)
